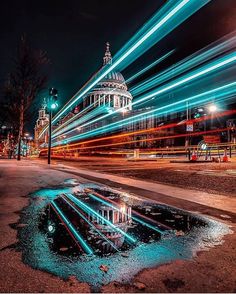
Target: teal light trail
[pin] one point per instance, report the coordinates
(231, 58)
(207, 69)
(90, 210)
(83, 119)
(217, 93)
(166, 19)
(68, 124)
(188, 63)
(72, 229)
(133, 217)
(90, 223)
(142, 71)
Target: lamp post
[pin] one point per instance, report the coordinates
(212, 108)
(26, 143)
(52, 105)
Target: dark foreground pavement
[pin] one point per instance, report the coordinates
(210, 271)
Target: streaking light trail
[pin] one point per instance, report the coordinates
(187, 64)
(90, 223)
(68, 124)
(198, 73)
(142, 71)
(89, 209)
(166, 19)
(134, 218)
(84, 245)
(196, 59)
(146, 131)
(175, 106)
(153, 139)
(207, 69)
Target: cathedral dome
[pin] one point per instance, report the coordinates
(113, 76)
(111, 90)
(113, 79)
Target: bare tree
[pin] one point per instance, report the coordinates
(24, 83)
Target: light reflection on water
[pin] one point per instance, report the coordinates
(38, 254)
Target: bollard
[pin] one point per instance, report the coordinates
(225, 157)
(194, 156)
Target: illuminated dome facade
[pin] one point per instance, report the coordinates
(111, 91)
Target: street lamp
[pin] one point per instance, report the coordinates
(26, 141)
(212, 108)
(52, 105)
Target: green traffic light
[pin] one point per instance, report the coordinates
(197, 115)
(54, 105)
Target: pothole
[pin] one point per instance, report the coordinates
(102, 235)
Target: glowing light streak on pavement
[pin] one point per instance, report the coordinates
(85, 246)
(142, 36)
(89, 209)
(90, 223)
(224, 90)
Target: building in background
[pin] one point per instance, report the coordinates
(42, 121)
(111, 94)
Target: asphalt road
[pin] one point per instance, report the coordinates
(210, 271)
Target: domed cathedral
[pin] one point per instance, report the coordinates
(111, 91)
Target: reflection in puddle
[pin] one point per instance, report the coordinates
(82, 229)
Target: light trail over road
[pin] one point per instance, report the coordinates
(163, 22)
(219, 93)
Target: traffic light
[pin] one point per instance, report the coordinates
(53, 104)
(197, 115)
(53, 92)
(199, 112)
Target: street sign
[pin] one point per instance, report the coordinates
(189, 127)
(212, 139)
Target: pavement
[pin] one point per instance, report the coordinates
(19, 179)
(210, 177)
(221, 202)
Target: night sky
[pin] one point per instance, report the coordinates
(74, 33)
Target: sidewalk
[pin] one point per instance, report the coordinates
(221, 202)
(18, 179)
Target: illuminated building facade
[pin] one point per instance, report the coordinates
(41, 122)
(109, 96)
(120, 216)
(111, 91)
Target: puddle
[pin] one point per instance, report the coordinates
(102, 235)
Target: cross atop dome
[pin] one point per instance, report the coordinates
(107, 59)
